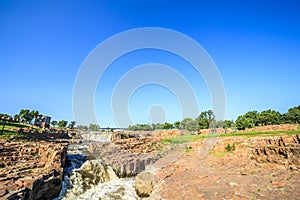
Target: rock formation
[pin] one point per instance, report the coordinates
(128, 157)
(31, 170)
(90, 174)
(283, 150)
(144, 184)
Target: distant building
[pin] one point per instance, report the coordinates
(42, 121)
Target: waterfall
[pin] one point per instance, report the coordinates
(96, 136)
(92, 179)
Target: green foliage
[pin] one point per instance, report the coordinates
(229, 147)
(34, 114)
(248, 120)
(72, 124)
(206, 119)
(62, 123)
(177, 124)
(269, 117)
(179, 139)
(218, 154)
(94, 127)
(228, 123)
(188, 149)
(25, 115)
(141, 127)
(82, 127)
(292, 116)
(189, 124)
(53, 123)
(168, 125)
(4, 115)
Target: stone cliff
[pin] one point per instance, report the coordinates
(128, 157)
(31, 170)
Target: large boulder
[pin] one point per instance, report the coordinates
(89, 174)
(144, 184)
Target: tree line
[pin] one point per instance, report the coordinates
(27, 116)
(206, 119)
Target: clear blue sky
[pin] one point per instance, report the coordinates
(255, 45)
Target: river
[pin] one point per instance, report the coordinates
(86, 178)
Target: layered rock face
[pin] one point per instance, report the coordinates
(31, 170)
(128, 157)
(284, 150)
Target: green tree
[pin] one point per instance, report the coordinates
(17, 118)
(292, 116)
(177, 124)
(33, 114)
(168, 125)
(189, 124)
(54, 123)
(82, 127)
(269, 117)
(228, 123)
(206, 119)
(242, 122)
(157, 126)
(253, 116)
(94, 127)
(72, 124)
(185, 123)
(62, 123)
(25, 115)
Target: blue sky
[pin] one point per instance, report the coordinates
(255, 45)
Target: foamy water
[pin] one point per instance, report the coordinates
(72, 185)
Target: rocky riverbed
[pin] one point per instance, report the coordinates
(141, 166)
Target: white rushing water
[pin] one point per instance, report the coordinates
(96, 136)
(91, 180)
(115, 189)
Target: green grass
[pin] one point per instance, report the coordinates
(11, 135)
(188, 149)
(10, 125)
(191, 138)
(219, 154)
(179, 139)
(250, 134)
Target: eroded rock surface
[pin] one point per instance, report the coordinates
(31, 170)
(284, 151)
(128, 157)
(242, 173)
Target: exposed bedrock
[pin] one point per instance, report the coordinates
(31, 170)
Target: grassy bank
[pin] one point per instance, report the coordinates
(10, 133)
(191, 138)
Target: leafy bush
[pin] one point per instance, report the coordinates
(230, 148)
